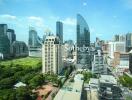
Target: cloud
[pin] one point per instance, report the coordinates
(84, 4)
(36, 21)
(35, 18)
(99, 34)
(69, 21)
(9, 17)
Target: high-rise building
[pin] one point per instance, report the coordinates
(128, 42)
(83, 40)
(11, 35)
(33, 38)
(4, 41)
(51, 55)
(119, 38)
(59, 30)
(34, 43)
(19, 49)
(3, 29)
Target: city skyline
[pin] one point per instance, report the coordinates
(105, 18)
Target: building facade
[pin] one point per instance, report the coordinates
(98, 65)
(116, 47)
(83, 40)
(51, 55)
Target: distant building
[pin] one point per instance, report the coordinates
(128, 42)
(4, 42)
(52, 55)
(33, 38)
(3, 29)
(83, 40)
(116, 47)
(11, 36)
(98, 65)
(119, 38)
(59, 30)
(19, 49)
(34, 43)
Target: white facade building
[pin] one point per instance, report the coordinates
(51, 55)
(116, 47)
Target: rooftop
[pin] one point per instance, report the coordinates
(108, 79)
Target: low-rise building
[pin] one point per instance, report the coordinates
(109, 89)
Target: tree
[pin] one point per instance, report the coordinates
(7, 83)
(7, 94)
(59, 83)
(27, 77)
(66, 74)
(37, 81)
(23, 93)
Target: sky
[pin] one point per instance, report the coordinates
(104, 17)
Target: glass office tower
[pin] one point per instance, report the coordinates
(59, 30)
(128, 42)
(33, 38)
(4, 41)
(83, 40)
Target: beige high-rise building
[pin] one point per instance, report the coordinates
(51, 55)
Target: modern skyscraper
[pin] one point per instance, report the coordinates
(34, 43)
(83, 40)
(11, 35)
(128, 42)
(3, 29)
(4, 41)
(33, 38)
(51, 55)
(59, 30)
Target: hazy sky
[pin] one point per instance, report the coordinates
(104, 17)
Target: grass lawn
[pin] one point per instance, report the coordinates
(27, 61)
